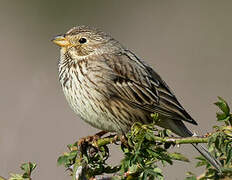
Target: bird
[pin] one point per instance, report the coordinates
(111, 88)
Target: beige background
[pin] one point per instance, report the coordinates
(188, 42)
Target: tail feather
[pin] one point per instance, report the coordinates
(204, 152)
(179, 128)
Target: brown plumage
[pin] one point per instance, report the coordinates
(111, 88)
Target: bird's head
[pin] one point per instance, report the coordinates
(82, 41)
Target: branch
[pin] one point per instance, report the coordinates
(173, 140)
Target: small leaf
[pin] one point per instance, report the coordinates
(149, 136)
(133, 169)
(191, 178)
(178, 156)
(70, 146)
(26, 176)
(227, 170)
(16, 177)
(28, 168)
(222, 104)
(155, 117)
(201, 158)
(25, 167)
(229, 156)
(72, 155)
(221, 116)
(202, 161)
(62, 160)
(190, 174)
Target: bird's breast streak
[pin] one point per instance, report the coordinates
(80, 98)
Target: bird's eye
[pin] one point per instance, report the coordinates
(82, 40)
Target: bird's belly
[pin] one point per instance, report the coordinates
(88, 104)
(98, 108)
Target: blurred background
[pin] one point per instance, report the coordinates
(188, 42)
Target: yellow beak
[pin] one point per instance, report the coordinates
(61, 41)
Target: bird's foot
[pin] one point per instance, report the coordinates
(119, 138)
(91, 139)
(124, 140)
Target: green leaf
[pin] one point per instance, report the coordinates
(149, 136)
(227, 170)
(155, 116)
(62, 160)
(221, 116)
(179, 157)
(229, 156)
(72, 155)
(133, 168)
(191, 178)
(70, 146)
(28, 168)
(202, 161)
(154, 172)
(222, 104)
(16, 177)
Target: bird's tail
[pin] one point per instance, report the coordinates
(204, 152)
(179, 128)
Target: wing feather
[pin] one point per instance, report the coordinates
(140, 86)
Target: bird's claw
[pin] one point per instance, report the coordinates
(91, 139)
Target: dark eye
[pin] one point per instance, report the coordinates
(82, 40)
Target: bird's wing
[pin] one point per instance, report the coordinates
(140, 86)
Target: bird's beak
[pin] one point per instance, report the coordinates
(61, 41)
